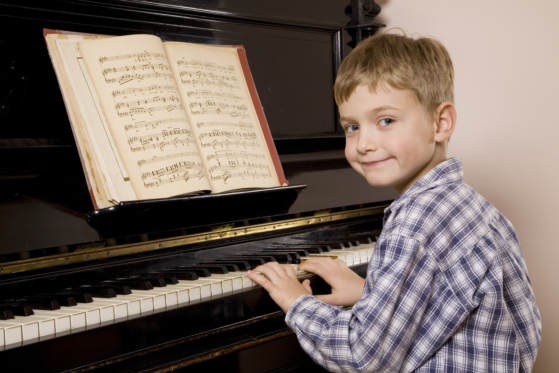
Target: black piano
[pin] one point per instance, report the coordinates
(58, 255)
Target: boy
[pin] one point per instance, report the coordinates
(447, 289)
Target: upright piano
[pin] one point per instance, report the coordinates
(109, 289)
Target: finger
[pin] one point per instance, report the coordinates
(319, 267)
(339, 263)
(269, 271)
(289, 270)
(307, 286)
(261, 280)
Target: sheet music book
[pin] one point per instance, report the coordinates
(155, 119)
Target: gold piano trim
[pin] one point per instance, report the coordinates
(84, 255)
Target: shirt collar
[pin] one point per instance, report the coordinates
(450, 171)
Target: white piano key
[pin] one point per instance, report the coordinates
(349, 256)
(28, 330)
(12, 333)
(161, 298)
(62, 321)
(77, 317)
(218, 286)
(205, 287)
(145, 302)
(92, 313)
(119, 309)
(194, 291)
(133, 306)
(1, 338)
(235, 281)
(247, 283)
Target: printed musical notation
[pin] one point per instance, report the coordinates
(206, 93)
(152, 87)
(237, 164)
(133, 56)
(146, 66)
(155, 137)
(162, 158)
(139, 102)
(196, 64)
(228, 134)
(127, 78)
(177, 172)
(232, 113)
(149, 110)
(244, 174)
(230, 143)
(154, 123)
(240, 125)
(234, 155)
(208, 82)
(211, 104)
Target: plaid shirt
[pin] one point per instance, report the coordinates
(447, 290)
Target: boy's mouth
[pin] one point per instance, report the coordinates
(375, 163)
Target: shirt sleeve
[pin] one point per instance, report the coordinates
(377, 332)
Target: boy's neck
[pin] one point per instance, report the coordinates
(439, 157)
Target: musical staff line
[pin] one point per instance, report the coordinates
(240, 125)
(131, 56)
(204, 92)
(153, 87)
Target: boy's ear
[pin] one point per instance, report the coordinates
(445, 121)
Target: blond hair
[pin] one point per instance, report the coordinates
(420, 65)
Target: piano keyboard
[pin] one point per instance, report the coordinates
(46, 316)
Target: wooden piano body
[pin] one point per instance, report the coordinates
(50, 237)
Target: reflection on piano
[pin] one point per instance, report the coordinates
(161, 286)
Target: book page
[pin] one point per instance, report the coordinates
(100, 195)
(93, 125)
(231, 143)
(145, 114)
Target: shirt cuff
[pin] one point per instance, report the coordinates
(302, 303)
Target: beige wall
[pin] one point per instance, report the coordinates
(506, 57)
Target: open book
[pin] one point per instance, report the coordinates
(154, 120)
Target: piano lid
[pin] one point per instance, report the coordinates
(294, 49)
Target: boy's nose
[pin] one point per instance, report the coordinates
(366, 144)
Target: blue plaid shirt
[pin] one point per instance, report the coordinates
(447, 290)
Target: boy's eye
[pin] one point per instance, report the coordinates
(351, 128)
(386, 122)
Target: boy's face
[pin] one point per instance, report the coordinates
(390, 138)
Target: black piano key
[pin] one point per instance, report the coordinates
(120, 289)
(254, 262)
(156, 281)
(311, 249)
(281, 257)
(201, 272)
(232, 267)
(36, 303)
(132, 284)
(65, 300)
(96, 291)
(295, 257)
(299, 252)
(18, 310)
(179, 274)
(6, 314)
(241, 265)
(79, 296)
(213, 268)
(263, 258)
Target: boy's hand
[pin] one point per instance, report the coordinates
(347, 286)
(281, 282)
